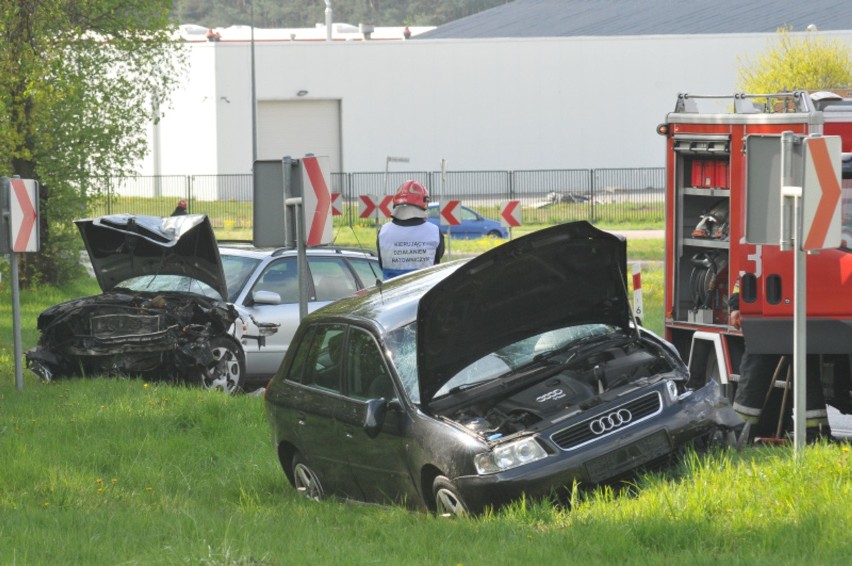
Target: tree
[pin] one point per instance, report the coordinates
(82, 78)
(798, 63)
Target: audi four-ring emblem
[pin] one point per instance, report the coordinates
(610, 421)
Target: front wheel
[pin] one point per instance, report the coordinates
(448, 500)
(227, 372)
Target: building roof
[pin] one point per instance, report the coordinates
(567, 18)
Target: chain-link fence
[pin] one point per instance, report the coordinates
(546, 196)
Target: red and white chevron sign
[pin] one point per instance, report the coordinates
(386, 206)
(366, 206)
(24, 215)
(450, 214)
(316, 200)
(373, 207)
(510, 214)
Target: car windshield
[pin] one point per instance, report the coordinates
(237, 271)
(402, 344)
(169, 283)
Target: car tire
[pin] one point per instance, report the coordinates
(305, 479)
(229, 370)
(493, 234)
(448, 501)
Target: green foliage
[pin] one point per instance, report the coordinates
(797, 63)
(84, 80)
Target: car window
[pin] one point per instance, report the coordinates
(332, 278)
(368, 271)
(302, 353)
(318, 360)
(237, 271)
(467, 214)
(367, 376)
(433, 212)
(402, 344)
(280, 277)
(169, 283)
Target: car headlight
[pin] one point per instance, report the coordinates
(509, 456)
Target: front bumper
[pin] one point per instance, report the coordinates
(652, 441)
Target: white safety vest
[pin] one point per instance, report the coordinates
(408, 248)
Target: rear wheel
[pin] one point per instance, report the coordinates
(227, 372)
(305, 480)
(448, 500)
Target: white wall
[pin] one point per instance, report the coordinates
(493, 104)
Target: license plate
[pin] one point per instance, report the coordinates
(628, 457)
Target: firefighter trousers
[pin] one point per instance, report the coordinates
(758, 402)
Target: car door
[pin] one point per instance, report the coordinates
(318, 370)
(274, 297)
(472, 225)
(378, 463)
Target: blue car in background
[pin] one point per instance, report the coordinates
(473, 225)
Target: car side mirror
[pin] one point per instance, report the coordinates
(266, 298)
(375, 418)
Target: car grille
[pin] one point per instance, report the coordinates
(581, 433)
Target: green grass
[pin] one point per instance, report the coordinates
(104, 471)
(120, 471)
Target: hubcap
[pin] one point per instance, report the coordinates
(449, 504)
(225, 374)
(307, 483)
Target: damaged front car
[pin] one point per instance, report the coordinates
(161, 315)
(474, 383)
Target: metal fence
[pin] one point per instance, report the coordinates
(546, 196)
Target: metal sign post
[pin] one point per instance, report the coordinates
(791, 240)
(20, 233)
(16, 322)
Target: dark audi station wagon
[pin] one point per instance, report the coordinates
(471, 384)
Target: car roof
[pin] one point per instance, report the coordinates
(392, 304)
(245, 249)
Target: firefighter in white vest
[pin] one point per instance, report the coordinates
(409, 242)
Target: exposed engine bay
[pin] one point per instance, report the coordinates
(166, 334)
(568, 386)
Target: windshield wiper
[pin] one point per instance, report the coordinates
(466, 386)
(585, 341)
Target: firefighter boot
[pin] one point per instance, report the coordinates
(818, 433)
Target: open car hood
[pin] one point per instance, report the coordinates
(122, 246)
(565, 275)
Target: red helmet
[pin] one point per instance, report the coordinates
(413, 193)
(182, 203)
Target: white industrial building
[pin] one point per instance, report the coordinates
(501, 90)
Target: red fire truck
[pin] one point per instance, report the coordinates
(707, 256)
